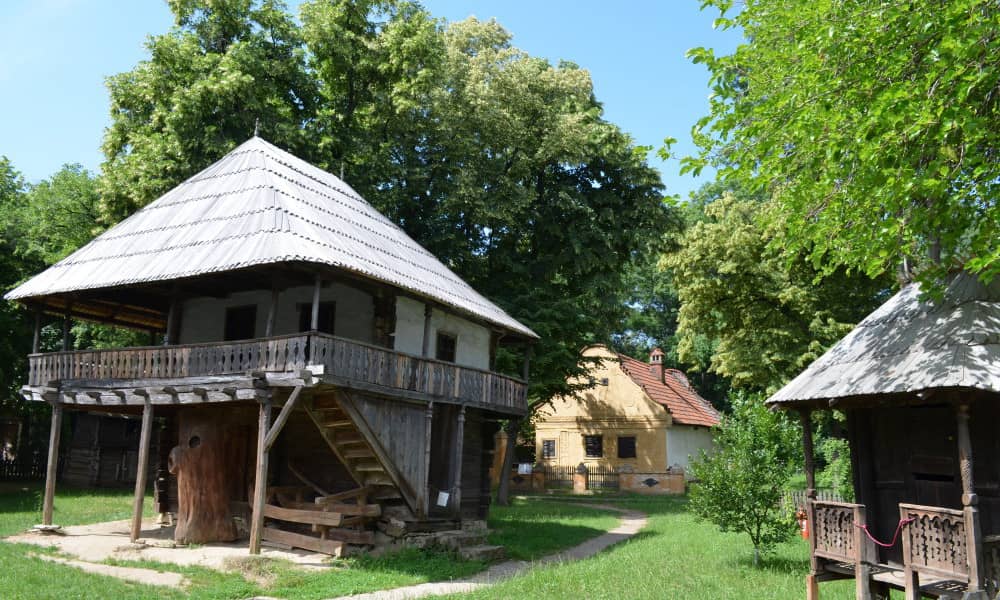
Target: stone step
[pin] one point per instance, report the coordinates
(462, 539)
(484, 553)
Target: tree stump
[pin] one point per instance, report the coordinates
(209, 462)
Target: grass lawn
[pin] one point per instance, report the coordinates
(528, 529)
(674, 557)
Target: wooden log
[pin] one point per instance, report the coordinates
(331, 498)
(260, 479)
(209, 465)
(141, 470)
(50, 471)
(309, 517)
(298, 540)
(279, 423)
(351, 536)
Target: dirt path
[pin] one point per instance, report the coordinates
(629, 524)
(133, 574)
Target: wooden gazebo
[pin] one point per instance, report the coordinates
(919, 382)
(273, 285)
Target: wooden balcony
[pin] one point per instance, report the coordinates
(347, 363)
(943, 551)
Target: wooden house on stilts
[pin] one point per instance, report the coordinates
(919, 382)
(318, 366)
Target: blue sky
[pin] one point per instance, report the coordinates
(55, 54)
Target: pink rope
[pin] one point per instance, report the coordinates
(899, 527)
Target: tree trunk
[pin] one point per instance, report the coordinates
(210, 465)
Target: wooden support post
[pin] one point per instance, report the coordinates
(426, 347)
(862, 568)
(36, 340)
(503, 489)
(168, 335)
(260, 485)
(65, 330)
(425, 506)
(50, 471)
(314, 318)
(974, 539)
(279, 423)
(272, 311)
(457, 464)
(810, 468)
(142, 468)
(812, 587)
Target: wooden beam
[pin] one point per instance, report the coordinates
(301, 477)
(426, 347)
(65, 329)
(36, 340)
(50, 471)
(807, 448)
(298, 540)
(168, 336)
(309, 517)
(457, 464)
(279, 423)
(314, 317)
(272, 311)
(141, 469)
(260, 485)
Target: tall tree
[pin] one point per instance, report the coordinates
(873, 126)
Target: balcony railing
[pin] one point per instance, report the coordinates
(348, 361)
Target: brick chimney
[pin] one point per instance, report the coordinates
(656, 366)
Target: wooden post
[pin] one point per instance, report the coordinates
(260, 485)
(974, 540)
(457, 466)
(862, 570)
(142, 468)
(65, 330)
(279, 423)
(314, 320)
(426, 348)
(503, 490)
(36, 340)
(425, 506)
(50, 471)
(272, 311)
(168, 335)
(810, 468)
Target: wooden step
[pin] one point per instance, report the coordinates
(378, 479)
(368, 466)
(348, 438)
(359, 453)
(339, 423)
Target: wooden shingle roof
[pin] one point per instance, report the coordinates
(685, 405)
(261, 205)
(910, 345)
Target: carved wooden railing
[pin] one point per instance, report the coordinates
(936, 542)
(834, 535)
(346, 359)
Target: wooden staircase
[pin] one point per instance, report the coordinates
(343, 436)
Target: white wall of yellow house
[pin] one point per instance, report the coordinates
(685, 442)
(204, 319)
(472, 348)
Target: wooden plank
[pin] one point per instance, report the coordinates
(298, 540)
(142, 468)
(279, 423)
(354, 510)
(351, 536)
(50, 471)
(309, 517)
(328, 498)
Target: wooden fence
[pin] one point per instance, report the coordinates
(797, 498)
(602, 477)
(23, 469)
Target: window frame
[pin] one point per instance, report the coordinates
(454, 346)
(228, 325)
(587, 440)
(549, 449)
(635, 446)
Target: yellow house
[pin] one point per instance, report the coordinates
(634, 413)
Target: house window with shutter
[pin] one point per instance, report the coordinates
(626, 447)
(593, 446)
(548, 448)
(241, 323)
(446, 344)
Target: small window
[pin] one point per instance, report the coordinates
(241, 323)
(626, 447)
(548, 448)
(327, 316)
(593, 446)
(446, 343)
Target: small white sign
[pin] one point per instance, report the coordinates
(524, 468)
(442, 498)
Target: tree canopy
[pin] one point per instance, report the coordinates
(872, 126)
(499, 163)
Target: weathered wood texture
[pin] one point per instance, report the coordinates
(298, 540)
(53, 463)
(833, 530)
(210, 464)
(347, 362)
(934, 543)
(142, 470)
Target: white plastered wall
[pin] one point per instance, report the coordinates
(472, 348)
(685, 442)
(204, 319)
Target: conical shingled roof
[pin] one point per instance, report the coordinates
(910, 345)
(260, 205)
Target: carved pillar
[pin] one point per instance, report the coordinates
(272, 311)
(426, 348)
(810, 468)
(65, 329)
(974, 540)
(314, 317)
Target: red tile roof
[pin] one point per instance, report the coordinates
(674, 392)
